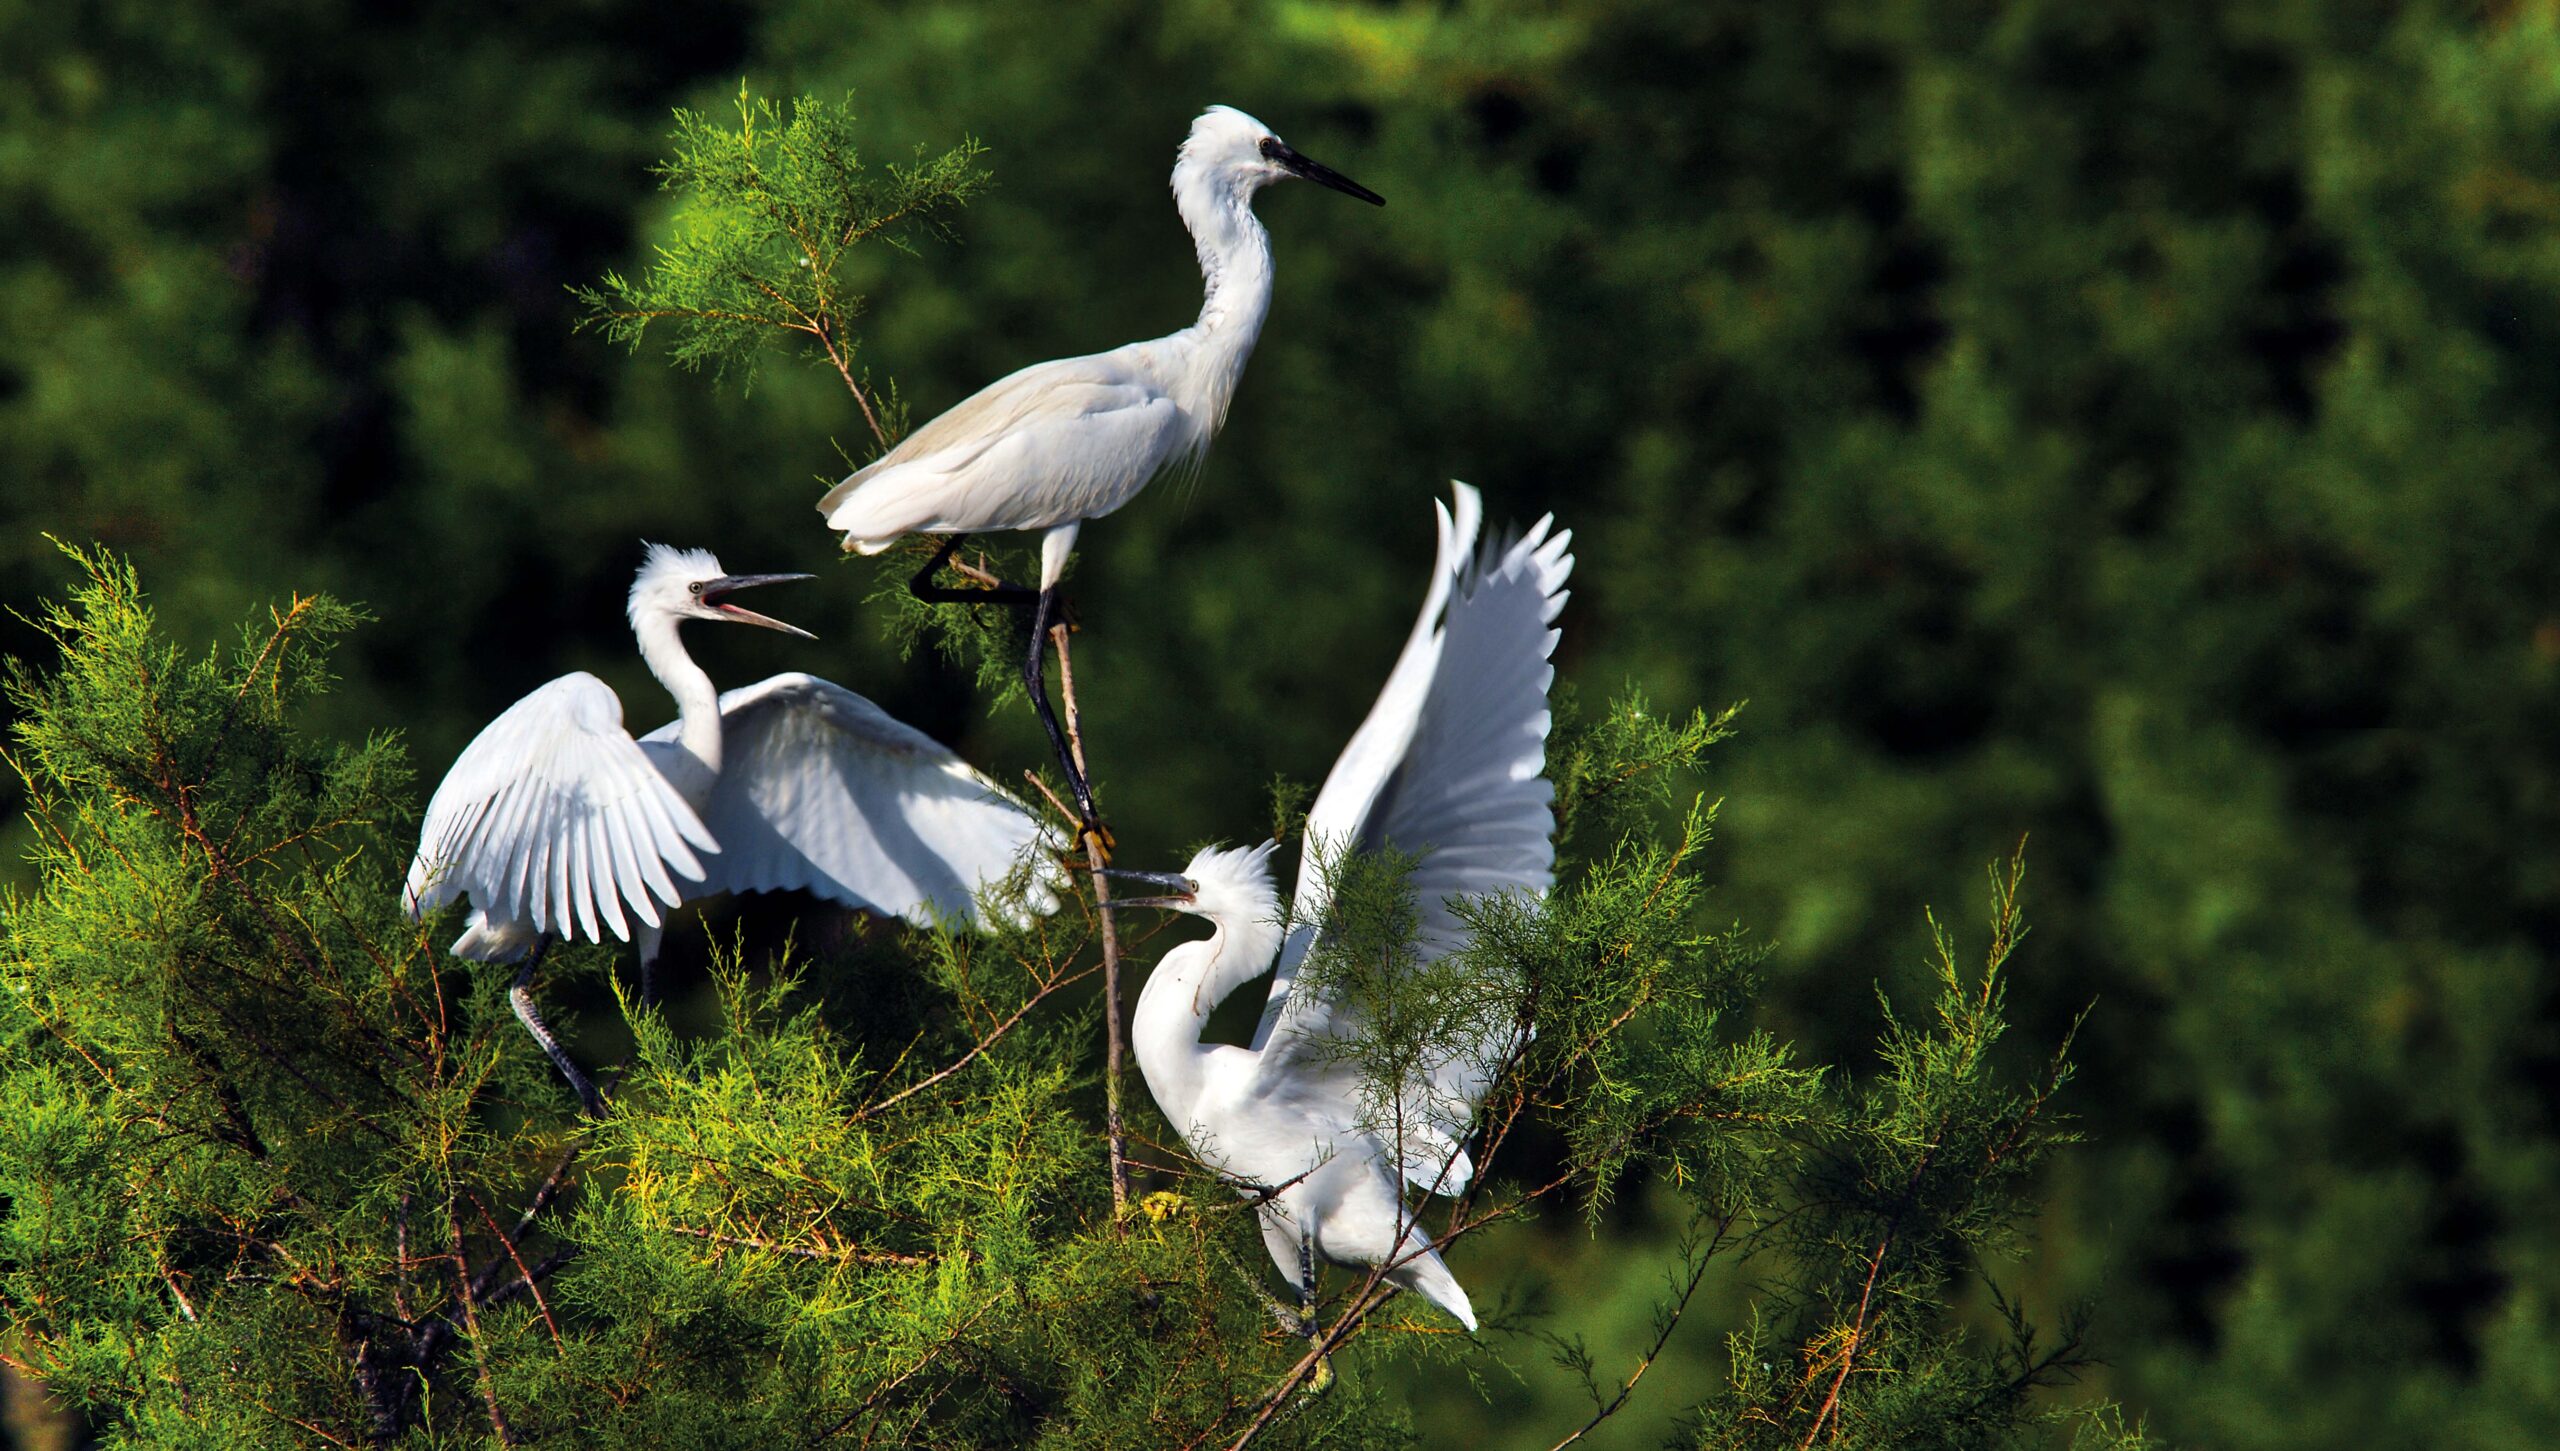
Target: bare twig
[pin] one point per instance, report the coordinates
(983, 1044)
(1116, 1129)
(293, 1420)
(522, 1268)
(471, 1321)
(1043, 788)
(1849, 1348)
(1670, 1322)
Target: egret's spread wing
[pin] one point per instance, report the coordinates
(1449, 766)
(1047, 444)
(822, 791)
(554, 816)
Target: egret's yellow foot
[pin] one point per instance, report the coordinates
(1322, 1379)
(1163, 1205)
(1096, 838)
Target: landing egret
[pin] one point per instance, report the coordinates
(554, 820)
(1449, 766)
(1061, 442)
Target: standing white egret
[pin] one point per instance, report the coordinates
(1449, 767)
(1061, 442)
(554, 819)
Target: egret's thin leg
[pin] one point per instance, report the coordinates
(1307, 1284)
(1043, 603)
(1035, 679)
(921, 584)
(1322, 1380)
(521, 995)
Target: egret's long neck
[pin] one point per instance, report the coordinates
(697, 699)
(1174, 1007)
(1235, 267)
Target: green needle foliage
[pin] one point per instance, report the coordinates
(1913, 1180)
(770, 212)
(273, 1169)
(256, 1130)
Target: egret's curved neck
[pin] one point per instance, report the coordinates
(1175, 1005)
(697, 699)
(1235, 267)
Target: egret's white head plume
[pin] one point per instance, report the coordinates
(1234, 883)
(1228, 150)
(689, 584)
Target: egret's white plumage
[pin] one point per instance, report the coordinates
(556, 823)
(1062, 442)
(1449, 765)
(824, 792)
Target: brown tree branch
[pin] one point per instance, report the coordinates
(869, 1110)
(1115, 1128)
(471, 1322)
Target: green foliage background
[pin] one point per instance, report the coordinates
(2123, 423)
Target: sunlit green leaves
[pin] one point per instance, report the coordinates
(770, 208)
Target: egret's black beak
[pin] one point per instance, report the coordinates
(1179, 890)
(714, 591)
(1278, 153)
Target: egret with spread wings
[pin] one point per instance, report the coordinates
(1449, 768)
(1061, 442)
(557, 823)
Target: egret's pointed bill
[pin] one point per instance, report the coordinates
(713, 589)
(1179, 890)
(1278, 152)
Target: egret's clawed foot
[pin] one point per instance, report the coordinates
(1291, 1323)
(1096, 839)
(1164, 1204)
(1320, 1379)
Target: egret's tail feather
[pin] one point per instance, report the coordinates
(485, 941)
(1426, 1276)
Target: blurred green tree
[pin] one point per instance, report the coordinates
(2124, 422)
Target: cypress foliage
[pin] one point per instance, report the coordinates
(277, 1170)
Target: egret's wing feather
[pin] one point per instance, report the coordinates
(822, 791)
(983, 414)
(553, 816)
(1059, 441)
(1450, 767)
(1341, 816)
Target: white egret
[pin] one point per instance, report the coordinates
(554, 820)
(1061, 442)
(1449, 766)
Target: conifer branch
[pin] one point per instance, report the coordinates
(298, 1422)
(1668, 1321)
(523, 1271)
(471, 1323)
(832, 1256)
(1115, 1131)
(985, 1041)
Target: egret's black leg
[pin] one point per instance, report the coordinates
(521, 995)
(1307, 1284)
(648, 980)
(1043, 604)
(1035, 678)
(1322, 1380)
(921, 584)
